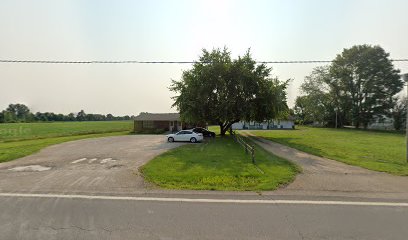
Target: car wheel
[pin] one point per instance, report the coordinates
(193, 140)
(170, 139)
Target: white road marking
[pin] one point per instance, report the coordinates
(79, 181)
(79, 160)
(197, 200)
(91, 160)
(31, 168)
(94, 181)
(107, 160)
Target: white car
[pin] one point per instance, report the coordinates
(185, 136)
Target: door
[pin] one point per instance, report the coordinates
(186, 136)
(181, 136)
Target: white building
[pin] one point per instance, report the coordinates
(272, 124)
(382, 122)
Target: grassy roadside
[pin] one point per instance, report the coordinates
(42, 130)
(17, 149)
(22, 139)
(379, 151)
(218, 164)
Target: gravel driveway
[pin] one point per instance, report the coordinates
(322, 176)
(93, 166)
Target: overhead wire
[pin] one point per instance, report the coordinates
(162, 62)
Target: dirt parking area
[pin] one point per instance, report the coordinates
(93, 166)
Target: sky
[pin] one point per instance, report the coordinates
(173, 30)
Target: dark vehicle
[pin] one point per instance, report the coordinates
(204, 131)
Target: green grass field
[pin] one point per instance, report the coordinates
(22, 139)
(25, 131)
(218, 164)
(379, 151)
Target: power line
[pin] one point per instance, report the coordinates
(163, 62)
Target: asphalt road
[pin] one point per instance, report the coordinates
(60, 218)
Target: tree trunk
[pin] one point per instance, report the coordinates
(224, 127)
(223, 130)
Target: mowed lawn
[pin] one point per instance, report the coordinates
(218, 164)
(379, 151)
(22, 139)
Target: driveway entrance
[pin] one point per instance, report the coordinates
(93, 166)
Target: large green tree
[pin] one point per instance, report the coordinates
(18, 112)
(357, 87)
(223, 91)
(81, 116)
(364, 82)
(316, 103)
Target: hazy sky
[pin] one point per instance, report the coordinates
(173, 30)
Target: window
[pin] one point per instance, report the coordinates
(148, 124)
(184, 132)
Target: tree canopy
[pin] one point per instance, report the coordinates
(365, 83)
(316, 103)
(360, 85)
(223, 91)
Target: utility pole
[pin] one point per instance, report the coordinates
(405, 78)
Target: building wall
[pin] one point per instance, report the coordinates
(144, 125)
(287, 124)
(166, 125)
(161, 125)
(382, 123)
(175, 126)
(238, 125)
(137, 126)
(273, 124)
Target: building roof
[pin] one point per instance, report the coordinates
(158, 117)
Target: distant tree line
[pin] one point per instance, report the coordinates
(21, 113)
(359, 87)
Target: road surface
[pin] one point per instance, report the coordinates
(78, 218)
